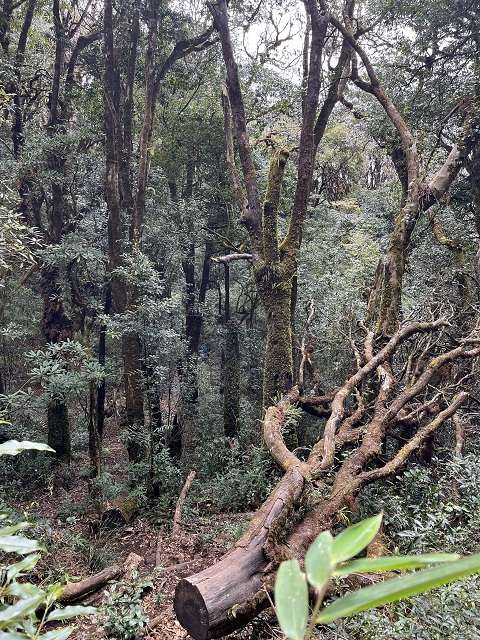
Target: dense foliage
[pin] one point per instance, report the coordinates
(212, 216)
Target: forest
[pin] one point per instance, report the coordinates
(239, 319)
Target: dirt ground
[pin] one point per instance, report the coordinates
(202, 540)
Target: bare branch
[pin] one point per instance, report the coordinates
(422, 434)
(231, 257)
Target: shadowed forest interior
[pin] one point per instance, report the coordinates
(239, 307)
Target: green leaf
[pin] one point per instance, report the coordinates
(291, 600)
(12, 635)
(400, 588)
(19, 610)
(24, 590)
(19, 544)
(318, 561)
(350, 542)
(25, 565)
(57, 634)
(13, 447)
(393, 563)
(71, 612)
(7, 531)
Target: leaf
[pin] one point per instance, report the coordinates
(71, 612)
(24, 590)
(57, 634)
(19, 610)
(400, 588)
(393, 563)
(19, 544)
(25, 565)
(13, 447)
(350, 542)
(7, 531)
(12, 635)
(318, 560)
(291, 600)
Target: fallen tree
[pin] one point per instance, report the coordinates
(373, 404)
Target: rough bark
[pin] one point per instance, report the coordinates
(274, 260)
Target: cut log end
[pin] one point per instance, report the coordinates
(191, 610)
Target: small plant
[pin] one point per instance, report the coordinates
(124, 615)
(20, 600)
(330, 557)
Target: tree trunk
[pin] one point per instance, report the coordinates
(188, 412)
(59, 429)
(231, 381)
(134, 415)
(56, 327)
(278, 369)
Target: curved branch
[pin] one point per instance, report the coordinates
(273, 423)
(422, 434)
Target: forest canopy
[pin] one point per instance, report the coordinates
(239, 298)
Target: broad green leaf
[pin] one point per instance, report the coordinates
(7, 531)
(71, 612)
(400, 588)
(318, 561)
(350, 542)
(19, 544)
(19, 610)
(25, 565)
(57, 634)
(393, 563)
(24, 590)
(291, 600)
(13, 447)
(13, 635)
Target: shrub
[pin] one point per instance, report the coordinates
(124, 617)
(21, 600)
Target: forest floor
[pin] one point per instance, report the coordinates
(74, 548)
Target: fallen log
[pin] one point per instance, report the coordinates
(223, 597)
(227, 595)
(77, 590)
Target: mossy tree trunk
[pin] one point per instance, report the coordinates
(274, 259)
(278, 367)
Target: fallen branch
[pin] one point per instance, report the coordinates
(77, 590)
(231, 257)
